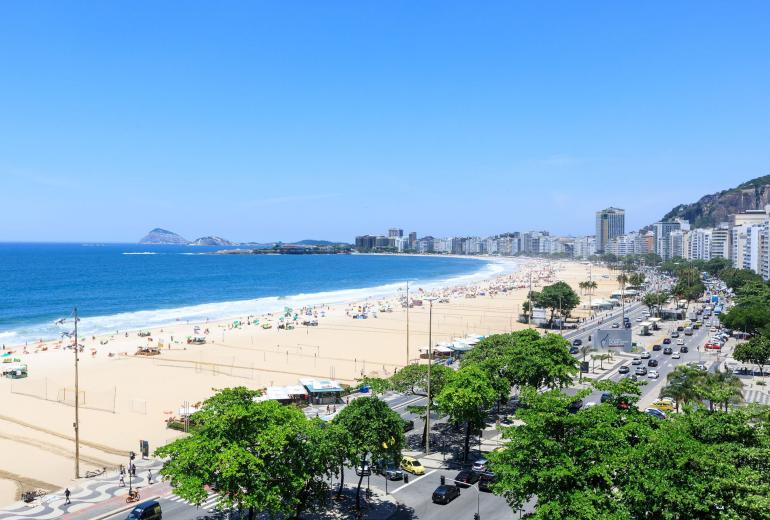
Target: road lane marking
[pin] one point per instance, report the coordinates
(413, 481)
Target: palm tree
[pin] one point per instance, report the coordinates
(683, 385)
(592, 285)
(582, 286)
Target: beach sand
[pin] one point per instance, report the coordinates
(127, 398)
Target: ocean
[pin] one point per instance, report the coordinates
(131, 286)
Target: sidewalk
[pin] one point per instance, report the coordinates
(90, 493)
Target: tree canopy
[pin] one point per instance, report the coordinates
(375, 432)
(260, 456)
(617, 463)
(755, 351)
(557, 297)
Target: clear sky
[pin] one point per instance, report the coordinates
(288, 120)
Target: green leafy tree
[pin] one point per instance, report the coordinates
(722, 388)
(755, 351)
(636, 279)
(375, 431)
(736, 278)
(260, 456)
(465, 399)
(413, 379)
(748, 316)
(558, 297)
(614, 462)
(655, 300)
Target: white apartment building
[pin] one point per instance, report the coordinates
(751, 247)
(720, 242)
(699, 243)
(584, 247)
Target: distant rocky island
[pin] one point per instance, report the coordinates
(211, 241)
(159, 236)
(163, 236)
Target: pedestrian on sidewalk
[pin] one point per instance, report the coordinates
(122, 481)
(67, 496)
(149, 476)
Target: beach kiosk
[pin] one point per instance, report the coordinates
(284, 394)
(322, 391)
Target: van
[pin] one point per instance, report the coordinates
(688, 331)
(148, 510)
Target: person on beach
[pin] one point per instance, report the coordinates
(67, 496)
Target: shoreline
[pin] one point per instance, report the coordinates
(132, 321)
(127, 398)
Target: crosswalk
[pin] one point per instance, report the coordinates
(756, 396)
(208, 505)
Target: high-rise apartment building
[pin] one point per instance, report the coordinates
(661, 234)
(610, 223)
(395, 233)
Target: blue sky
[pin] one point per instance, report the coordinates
(290, 120)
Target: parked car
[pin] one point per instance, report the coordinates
(606, 396)
(480, 466)
(616, 325)
(666, 341)
(656, 348)
(412, 465)
(645, 355)
(364, 470)
(652, 363)
(575, 405)
(655, 413)
(445, 494)
(668, 351)
(574, 350)
(639, 319)
(486, 480)
(577, 342)
(466, 478)
(389, 470)
(148, 510)
(653, 374)
(636, 361)
(408, 425)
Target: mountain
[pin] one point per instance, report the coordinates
(162, 236)
(211, 241)
(712, 209)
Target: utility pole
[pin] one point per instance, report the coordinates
(430, 362)
(77, 401)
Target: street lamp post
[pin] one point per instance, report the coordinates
(430, 362)
(76, 424)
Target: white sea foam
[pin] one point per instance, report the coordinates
(8, 334)
(240, 308)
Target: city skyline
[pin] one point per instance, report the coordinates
(274, 122)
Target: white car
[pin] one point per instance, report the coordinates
(680, 341)
(653, 374)
(713, 329)
(676, 355)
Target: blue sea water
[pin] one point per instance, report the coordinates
(128, 286)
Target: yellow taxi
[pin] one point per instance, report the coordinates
(664, 405)
(412, 465)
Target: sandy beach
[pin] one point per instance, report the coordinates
(126, 398)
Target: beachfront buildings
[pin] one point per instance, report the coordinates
(610, 223)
